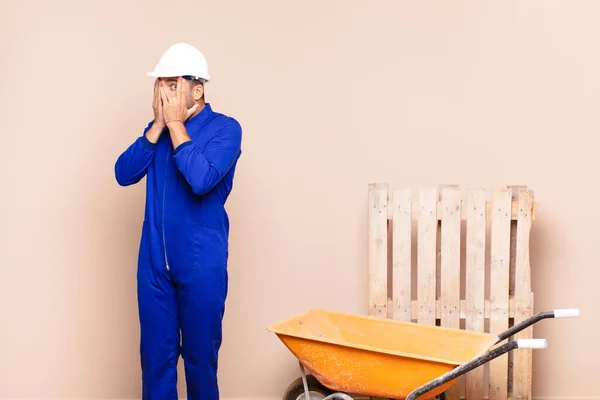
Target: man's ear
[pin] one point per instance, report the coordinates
(198, 92)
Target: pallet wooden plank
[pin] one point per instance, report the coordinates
(450, 266)
(426, 255)
(401, 254)
(515, 189)
(378, 249)
(438, 245)
(463, 309)
(499, 286)
(522, 367)
(514, 211)
(511, 290)
(450, 258)
(475, 281)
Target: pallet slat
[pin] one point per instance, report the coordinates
(464, 212)
(475, 281)
(499, 287)
(523, 297)
(378, 243)
(463, 309)
(513, 245)
(450, 267)
(401, 254)
(427, 255)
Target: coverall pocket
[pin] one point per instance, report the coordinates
(210, 248)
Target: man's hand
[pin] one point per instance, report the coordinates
(176, 112)
(157, 106)
(175, 106)
(159, 119)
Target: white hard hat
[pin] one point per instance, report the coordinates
(181, 59)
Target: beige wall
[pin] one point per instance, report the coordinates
(332, 95)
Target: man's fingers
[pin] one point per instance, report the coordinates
(163, 95)
(192, 110)
(180, 88)
(156, 97)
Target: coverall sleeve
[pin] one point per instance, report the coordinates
(132, 164)
(203, 169)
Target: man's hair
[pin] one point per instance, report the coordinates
(195, 81)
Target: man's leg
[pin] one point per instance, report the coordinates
(159, 347)
(201, 299)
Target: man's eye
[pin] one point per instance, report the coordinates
(174, 87)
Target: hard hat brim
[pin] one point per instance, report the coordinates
(157, 75)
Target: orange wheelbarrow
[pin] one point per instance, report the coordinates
(348, 354)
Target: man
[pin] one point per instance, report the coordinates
(188, 155)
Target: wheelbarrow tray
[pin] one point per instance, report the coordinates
(375, 356)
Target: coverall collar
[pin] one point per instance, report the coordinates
(201, 117)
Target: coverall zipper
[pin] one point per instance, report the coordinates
(163, 212)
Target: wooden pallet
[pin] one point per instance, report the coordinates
(456, 259)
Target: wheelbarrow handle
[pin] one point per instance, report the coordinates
(532, 343)
(477, 362)
(566, 313)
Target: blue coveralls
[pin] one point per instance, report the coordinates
(182, 262)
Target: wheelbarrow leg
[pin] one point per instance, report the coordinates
(443, 396)
(334, 396)
(304, 382)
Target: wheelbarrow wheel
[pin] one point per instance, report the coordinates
(296, 390)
